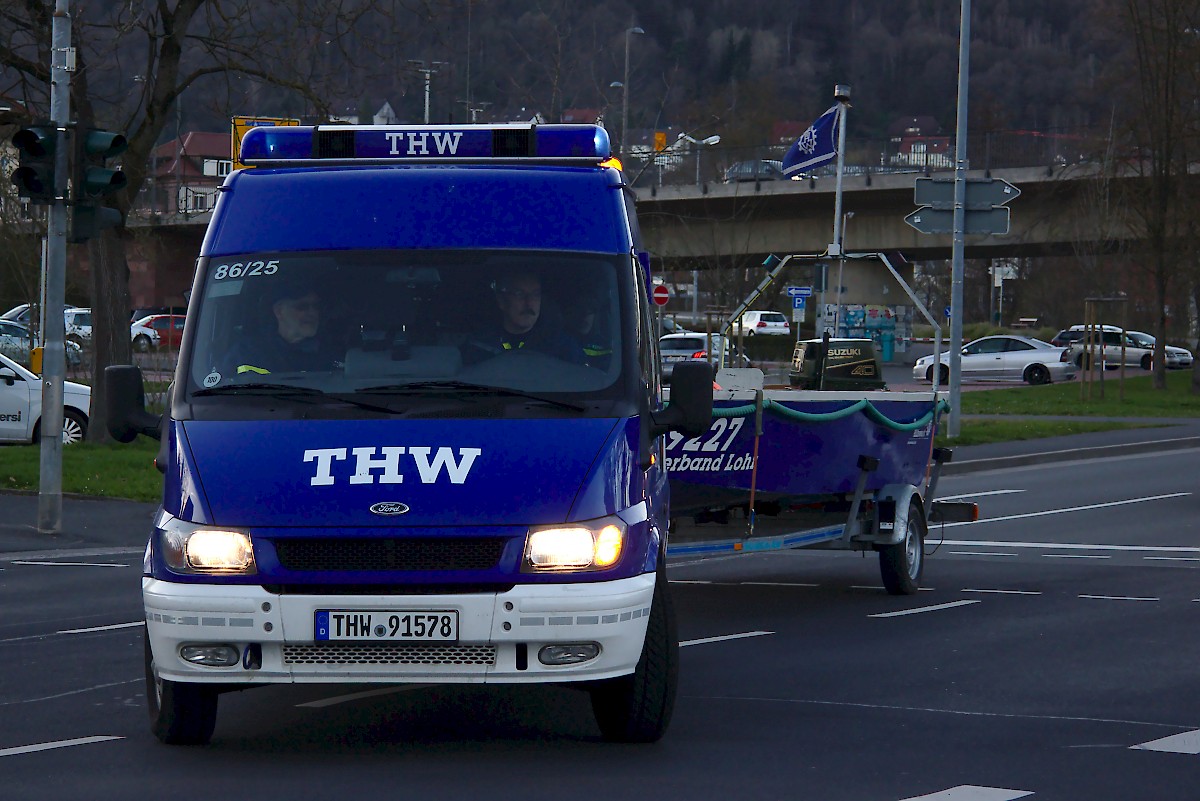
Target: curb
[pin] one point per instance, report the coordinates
(1094, 452)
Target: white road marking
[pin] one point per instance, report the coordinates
(1067, 546)
(982, 553)
(30, 749)
(1173, 558)
(881, 587)
(724, 637)
(67, 564)
(943, 711)
(1068, 509)
(72, 692)
(1076, 556)
(971, 792)
(103, 628)
(1186, 743)
(1005, 592)
(921, 609)
(1116, 598)
(777, 584)
(686, 581)
(978, 494)
(342, 699)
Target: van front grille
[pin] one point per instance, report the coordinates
(381, 554)
(348, 653)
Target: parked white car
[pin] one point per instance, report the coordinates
(763, 323)
(21, 406)
(143, 337)
(78, 325)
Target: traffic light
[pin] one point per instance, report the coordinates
(92, 180)
(34, 175)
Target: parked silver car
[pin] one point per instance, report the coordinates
(1105, 348)
(1003, 358)
(675, 348)
(1176, 358)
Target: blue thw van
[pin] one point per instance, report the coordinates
(416, 429)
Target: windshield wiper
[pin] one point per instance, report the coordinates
(422, 387)
(259, 388)
(292, 391)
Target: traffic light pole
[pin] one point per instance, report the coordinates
(54, 363)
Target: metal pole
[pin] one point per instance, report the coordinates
(960, 220)
(428, 80)
(841, 93)
(625, 100)
(54, 364)
(629, 32)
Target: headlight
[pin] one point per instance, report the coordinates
(192, 549)
(591, 545)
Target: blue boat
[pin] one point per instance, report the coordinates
(809, 448)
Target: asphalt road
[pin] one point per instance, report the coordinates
(1051, 655)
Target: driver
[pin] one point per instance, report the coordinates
(518, 298)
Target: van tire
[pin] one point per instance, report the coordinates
(180, 713)
(902, 565)
(141, 343)
(637, 708)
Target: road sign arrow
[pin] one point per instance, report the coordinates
(978, 221)
(982, 193)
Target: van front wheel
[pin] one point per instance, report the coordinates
(637, 708)
(180, 714)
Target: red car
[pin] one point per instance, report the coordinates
(168, 326)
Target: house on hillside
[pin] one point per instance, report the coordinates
(918, 143)
(185, 174)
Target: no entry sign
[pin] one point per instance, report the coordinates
(660, 294)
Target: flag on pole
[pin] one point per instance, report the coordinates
(815, 147)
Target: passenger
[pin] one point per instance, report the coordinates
(593, 333)
(293, 342)
(521, 324)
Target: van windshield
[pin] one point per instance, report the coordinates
(367, 324)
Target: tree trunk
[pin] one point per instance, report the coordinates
(1196, 347)
(110, 320)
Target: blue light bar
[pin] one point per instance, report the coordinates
(358, 144)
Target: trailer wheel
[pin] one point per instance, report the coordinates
(903, 563)
(180, 714)
(637, 708)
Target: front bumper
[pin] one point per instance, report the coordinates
(500, 634)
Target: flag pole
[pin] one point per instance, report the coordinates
(841, 93)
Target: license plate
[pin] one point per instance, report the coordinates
(385, 625)
(674, 358)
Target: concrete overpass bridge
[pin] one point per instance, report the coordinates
(689, 227)
(701, 227)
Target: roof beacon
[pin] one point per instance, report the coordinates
(374, 144)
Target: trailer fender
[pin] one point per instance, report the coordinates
(892, 503)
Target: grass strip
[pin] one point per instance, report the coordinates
(1141, 399)
(108, 471)
(983, 432)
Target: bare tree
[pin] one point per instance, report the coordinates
(1162, 125)
(135, 61)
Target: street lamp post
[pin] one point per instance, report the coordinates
(428, 72)
(696, 143)
(625, 93)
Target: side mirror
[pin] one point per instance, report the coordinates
(691, 403)
(8, 376)
(126, 415)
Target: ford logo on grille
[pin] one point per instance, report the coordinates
(389, 508)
